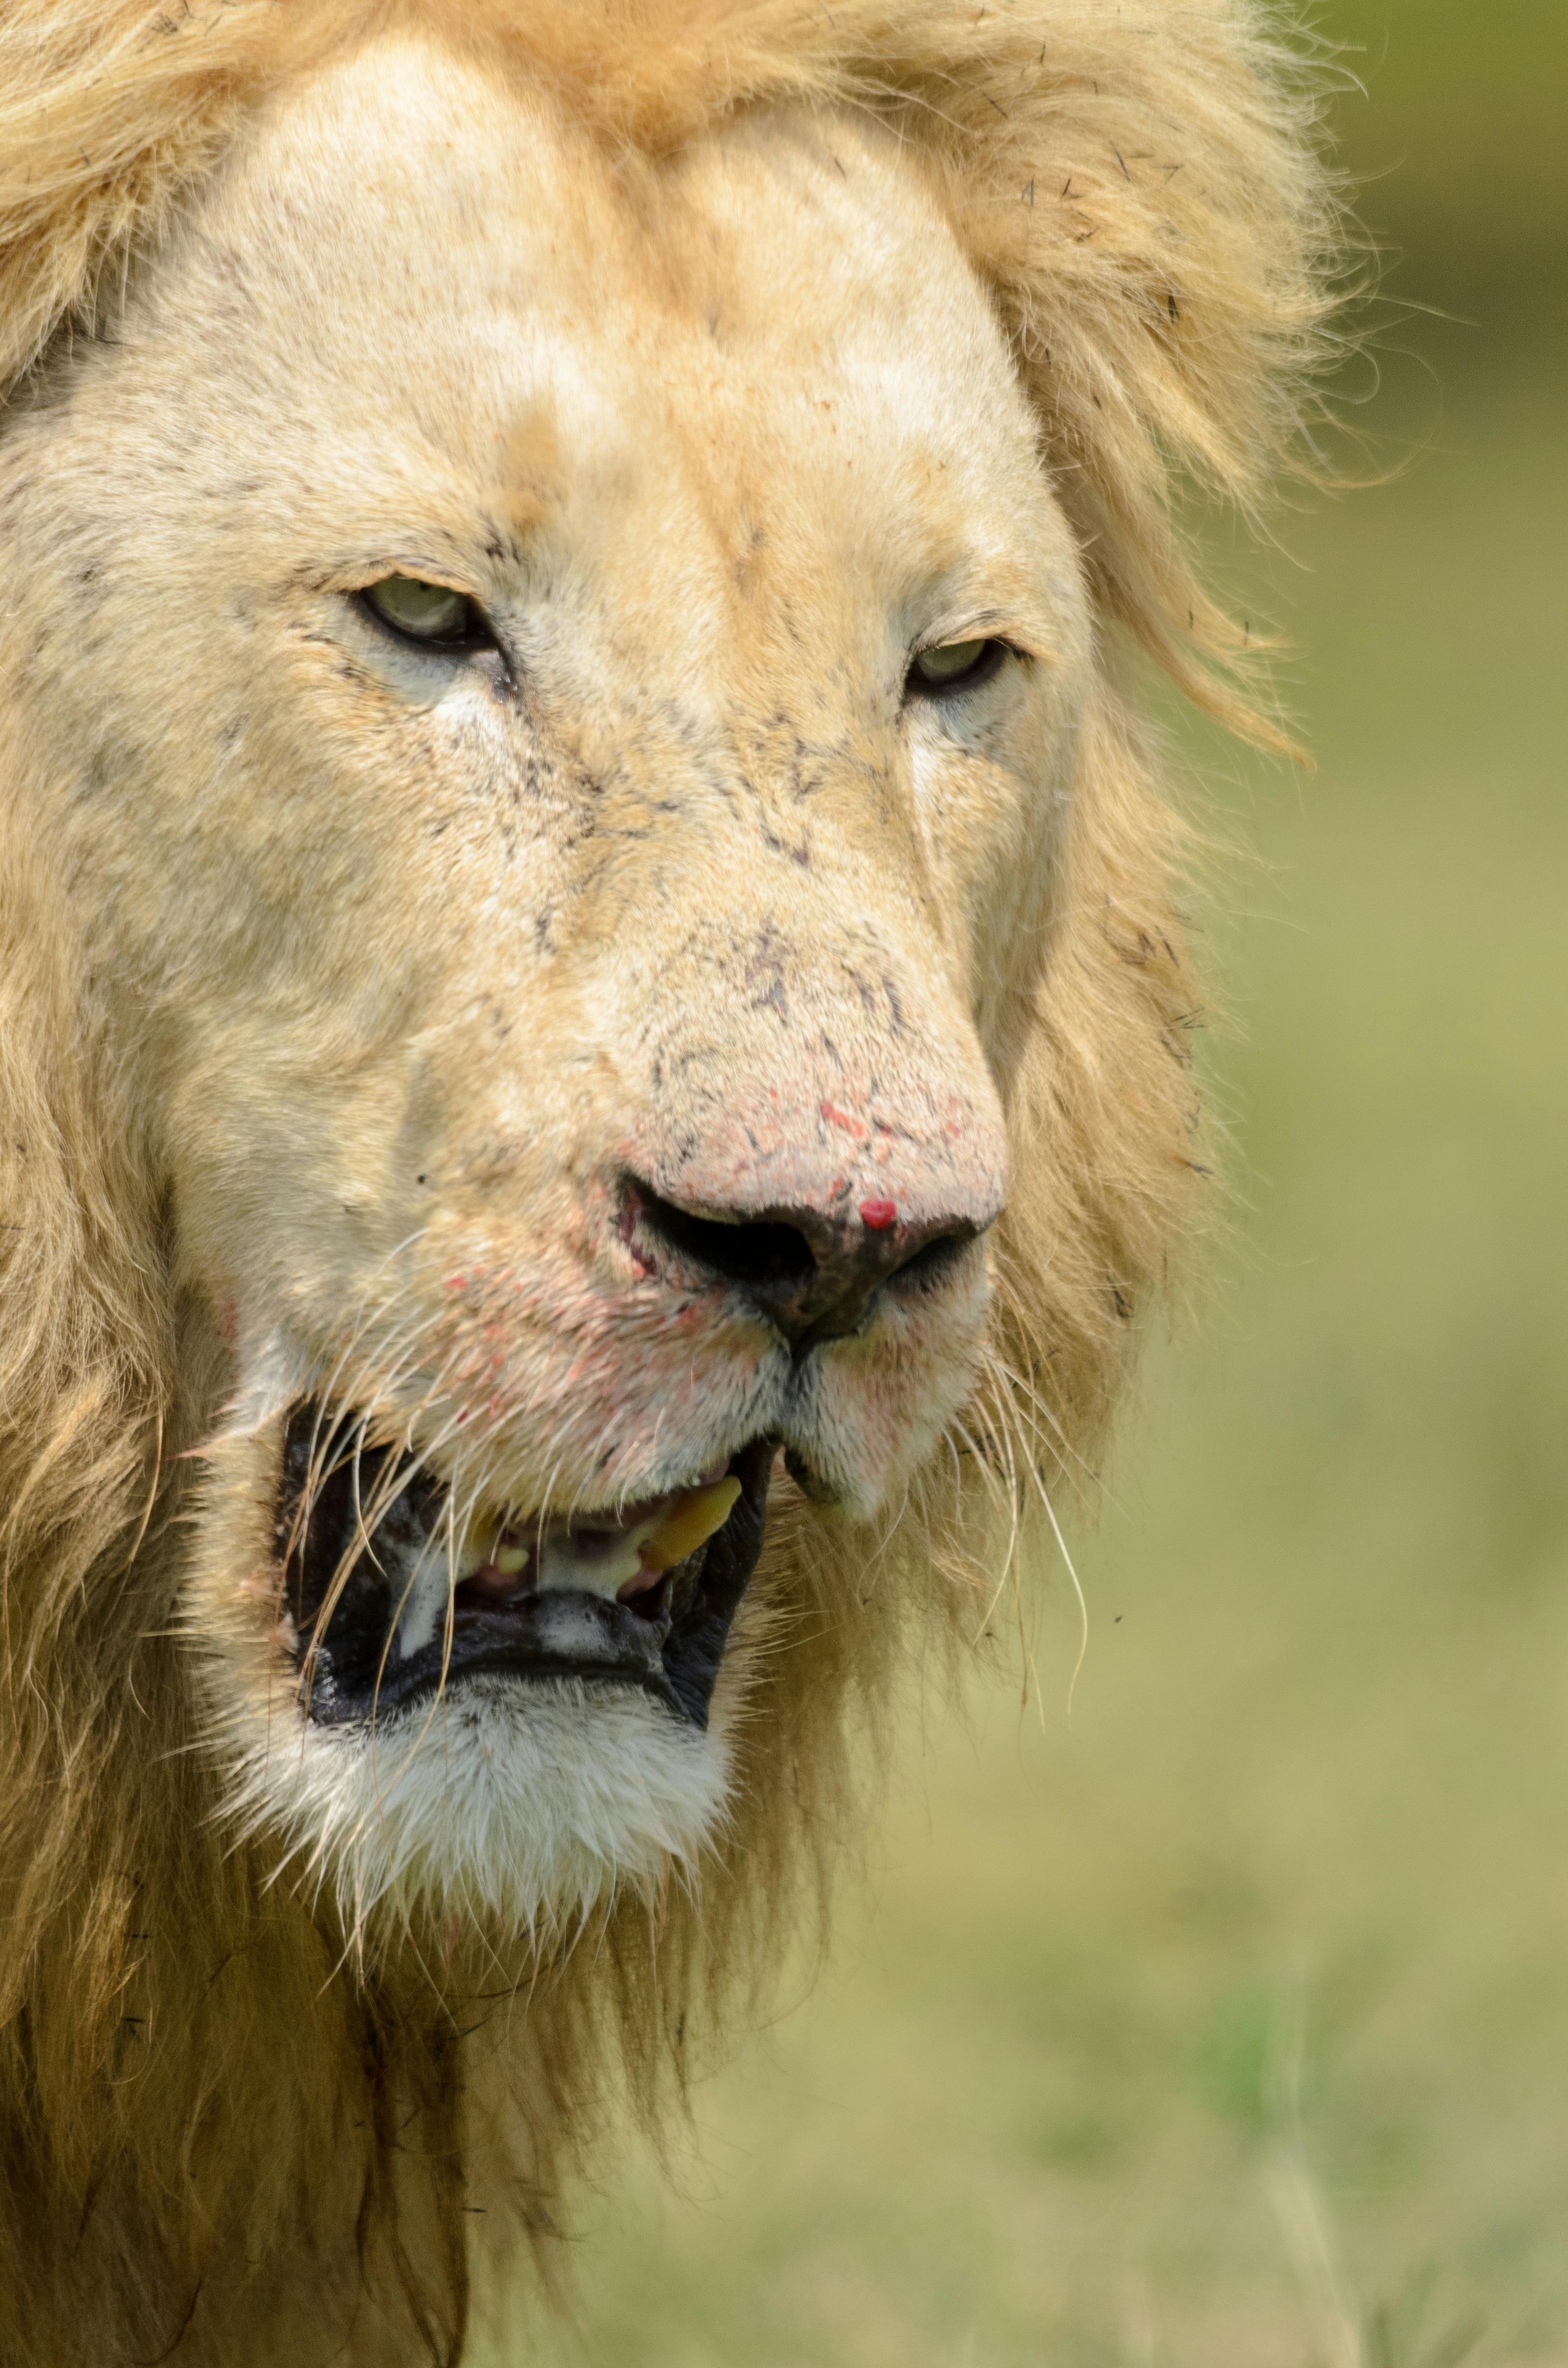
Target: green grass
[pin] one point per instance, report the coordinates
(1229, 2027)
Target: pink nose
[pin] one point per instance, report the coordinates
(810, 1272)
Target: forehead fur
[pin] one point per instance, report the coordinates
(1134, 186)
(480, 325)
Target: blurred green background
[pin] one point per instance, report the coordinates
(1229, 2027)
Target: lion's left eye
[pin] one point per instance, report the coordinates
(954, 665)
(430, 613)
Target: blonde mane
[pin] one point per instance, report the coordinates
(1138, 186)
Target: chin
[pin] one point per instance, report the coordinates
(517, 1804)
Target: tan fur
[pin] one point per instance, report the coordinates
(237, 2120)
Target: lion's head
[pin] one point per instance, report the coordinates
(595, 1038)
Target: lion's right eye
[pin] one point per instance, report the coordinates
(432, 614)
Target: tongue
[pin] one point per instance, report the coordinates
(590, 1561)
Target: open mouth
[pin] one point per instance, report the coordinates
(388, 1599)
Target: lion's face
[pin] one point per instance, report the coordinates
(558, 753)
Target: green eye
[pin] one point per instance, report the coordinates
(955, 666)
(431, 613)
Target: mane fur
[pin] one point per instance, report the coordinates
(197, 2074)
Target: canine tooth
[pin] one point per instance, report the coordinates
(694, 1519)
(425, 1608)
(509, 1560)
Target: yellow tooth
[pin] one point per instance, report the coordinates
(509, 1560)
(694, 1517)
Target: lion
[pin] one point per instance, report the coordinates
(595, 1070)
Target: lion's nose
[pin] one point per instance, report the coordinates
(811, 1274)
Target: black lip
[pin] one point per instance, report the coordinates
(346, 1676)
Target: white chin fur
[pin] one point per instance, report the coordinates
(506, 1802)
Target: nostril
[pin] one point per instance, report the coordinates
(757, 1252)
(931, 1262)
